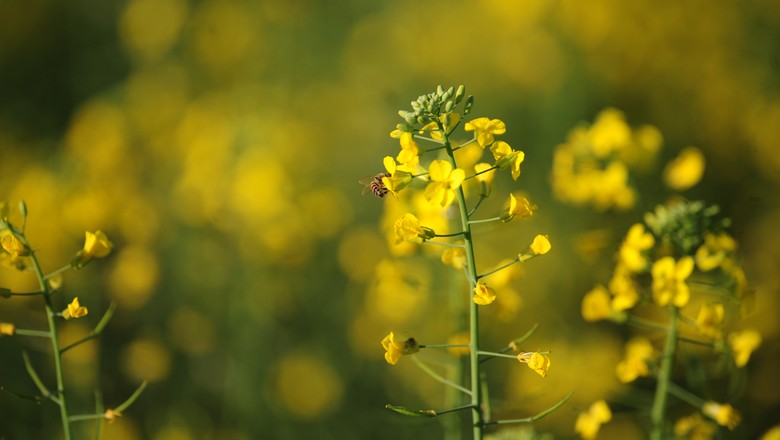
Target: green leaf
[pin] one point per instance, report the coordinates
(412, 412)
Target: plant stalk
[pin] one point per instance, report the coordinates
(476, 392)
(55, 345)
(664, 378)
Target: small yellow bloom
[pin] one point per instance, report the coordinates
(710, 319)
(517, 208)
(639, 351)
(772, 434)
(623, 288)
(669, 281)
(455, 257)
(685, 170)
(397, 346)
(541, 245)
(7, 329)
(399, 178)
(483, 295)
(74, 310)
(111, 415)
(723, 414)
(407, 227)
(715, 251)
(410, 151)
(536, 361)
(12, 244)
(444, 182)
(96, 245)
(506, 157)
(743, 344)
(484, 129)
(589, 422)
(694, 427)
(596, 304)
(631, 251)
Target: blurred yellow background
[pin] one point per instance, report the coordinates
(219, 144)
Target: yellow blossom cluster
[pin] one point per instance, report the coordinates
(592, 166)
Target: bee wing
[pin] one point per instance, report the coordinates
(366, 182)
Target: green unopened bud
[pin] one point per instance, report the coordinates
(448, 107)
(23, 208)
(439, 90)
(467, 106)
(409, 117)
(449, 92)
(406, 128)
(460, 93)
(446, 119)
(415, 105)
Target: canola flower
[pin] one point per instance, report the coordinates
(432, 121)
(589, 422)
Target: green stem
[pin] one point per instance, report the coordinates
(36, 333)
(58, 271)
(55, 345)
(517, 259)
(444, 345)
(687, 396)
(484, 220)
(454, 234)
(476, 394)
(664, 378)
(460, 408)
(494, 167)
(438, 377)
(482, 196)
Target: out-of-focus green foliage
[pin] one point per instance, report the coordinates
(219, 144)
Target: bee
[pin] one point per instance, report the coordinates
(375, 185)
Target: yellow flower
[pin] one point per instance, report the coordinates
(589, 422)
(685, 170)
(723, 414)
(631, 251)
(517, 208)
(669, 281)
(111, 415)
(96, 245)
(484, 129)
(609, 133)
(772, 434)
(74, 310)
(596, 304)
(12, 244)
(483, 295)
(710, 319)
(7, 329)
(743, 344)
(623, 289)
(715, 251)
(541, 245)
(407, 227)
(638, 352)
(506, 157)
(397, 346)
(455, 257)
(399, 178)
(410, 152)
(694, 427)
(445, 180)
(536, 361)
